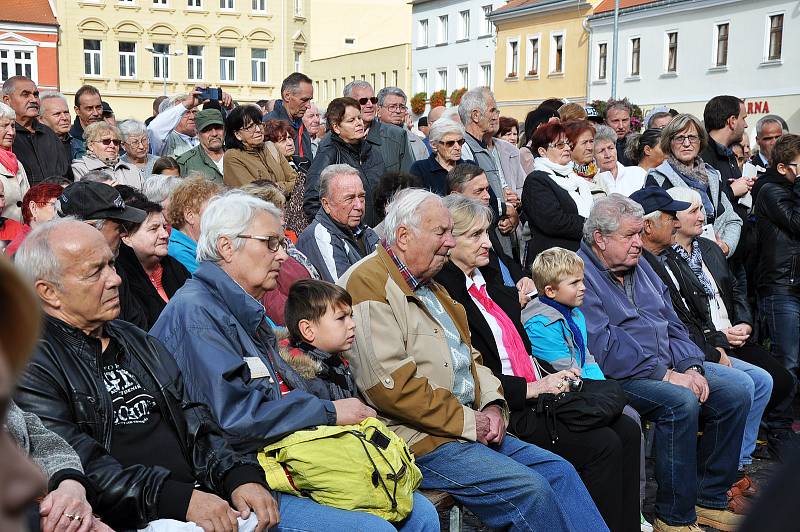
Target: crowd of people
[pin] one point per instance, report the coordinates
(513, 303)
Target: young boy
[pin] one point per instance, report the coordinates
(321, 327)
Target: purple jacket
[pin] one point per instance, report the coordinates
(633, 340)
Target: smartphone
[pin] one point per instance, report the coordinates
(211, 94)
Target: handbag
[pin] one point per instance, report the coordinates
(364, 467)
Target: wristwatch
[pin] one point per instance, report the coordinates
(698, 368)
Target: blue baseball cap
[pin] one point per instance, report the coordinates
(657, 199)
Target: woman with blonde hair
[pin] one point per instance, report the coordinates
(102, 153)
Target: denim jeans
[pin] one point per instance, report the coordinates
(761, 391)
(512, 486)
(782, 313)
(688, 473)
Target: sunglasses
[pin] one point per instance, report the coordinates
(451, 143)
(107, 142)
(363, 101)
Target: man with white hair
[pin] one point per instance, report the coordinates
(54, 113)
(173, 130)
(116, 396)
(413, 361)
(311, 123)
(337, 239)
(769, 129)
(392, 110)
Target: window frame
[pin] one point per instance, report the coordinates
(488, 26)
(464, 22)
(553, 53)
(442, 78)
(601, 73)
(486, 74)
(228, 65)
(463, 76)
(227, 6)
(194, 4)
(127, 58)
(512, 57)
(196, 61)
(533, 62)
(443, 29)
(638, 51)
(163, 60)
(668, 68)
(97, 60)
(11, 62)
(261, 8)
(422, 81)
(256, 63)
(768, 58)
(423, 33)
(715, 44)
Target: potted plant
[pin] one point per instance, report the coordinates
(533, 72)
(512, 75)
(418, 103)
(438, 98)
(455, 96)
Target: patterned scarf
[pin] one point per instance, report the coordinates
(573, 326)
(695, 262)
(586, 171)
(696, 172)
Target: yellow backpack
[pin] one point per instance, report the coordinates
(364, 467)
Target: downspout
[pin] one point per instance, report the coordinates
(615, 52)
(588, 30)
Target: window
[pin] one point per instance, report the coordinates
(463, 25)
(91, 57)
(488, 27)
(486, 74)
(383, 79)
(298, 61)
(422, 33)
(194, 4)
(441, 79)
(556, 53)
(775, 37)
(349, 41)
(258, 65)
(333, 88)
(16, 62)
(127, 2)
(161, 61)
(298, 8)
(226, 5)
(602, 60)
(635, 56)
(512, 58)
(372, 80)
(259, 6)
(394, 78)
(721, 54)
(127, 60)
(227, 64)
(160, 3)
(463, 77)
(422, 81)
(672, 51)
(442, 37)
(532, 58)
(194, 55)
(325, 89)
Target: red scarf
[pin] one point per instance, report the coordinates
(9, 160)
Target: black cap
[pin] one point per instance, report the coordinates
(107, 110)
(422, 122)
(657, 199)
(592, 114)
(90, 200)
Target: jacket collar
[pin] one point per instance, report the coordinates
(76, 130)
(280, 110)
(336, 228)
(537, 308)
(374, 133)
(242, 306)
(75, 338)
(475, 144)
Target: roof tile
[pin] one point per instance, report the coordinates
(608, 5)
(28, 12)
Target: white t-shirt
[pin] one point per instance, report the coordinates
(629, 180)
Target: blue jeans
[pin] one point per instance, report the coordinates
(688, 473)
(512, 486)
(299, 514)
(761, 391)
(783, 321)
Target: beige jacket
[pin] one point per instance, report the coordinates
(401, 359)
(244, 166)
(15, 187)
(122, 172)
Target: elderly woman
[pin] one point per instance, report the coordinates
(151, 275)
(345, 145)
(283, 134)
(508, 130)
(12, 174)
(446, 138)
(682, 140)
(612, 176)
(102, 153)
(645, 150)
(606, 458)
(581, 134)
(555, 200)
(249, 157)
(137, 147)
(186, 205)
(38, 206)
(157, 188)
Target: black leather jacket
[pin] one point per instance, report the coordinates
(63, 385)
(777, 212)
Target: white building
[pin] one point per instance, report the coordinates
(681, 53)
(452, 44)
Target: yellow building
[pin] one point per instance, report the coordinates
(542, 52)
(359, 39)
(136, 50)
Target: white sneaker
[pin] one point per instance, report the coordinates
(646, 526)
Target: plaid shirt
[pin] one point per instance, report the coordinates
(412, 281)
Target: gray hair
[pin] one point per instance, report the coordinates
(391, 91)
(158, 187)
(50, 95)
(678, 124)
(172, 101)
(327, 175)
(99, 176)
(405, 209)
(440, 128)
(607, 213)
(604, 133)
(771, 119)
(131, 127)
(353, 85)
(94, 130)
(7, 112)
(686, 194)
(229, 215)
(623, 105)
(10, 85)
(35, 258)
(466, 212)
(473, 99)
(451, 114)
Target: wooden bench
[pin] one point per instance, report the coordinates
(444, 501)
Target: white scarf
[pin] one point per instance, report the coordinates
(565, 177)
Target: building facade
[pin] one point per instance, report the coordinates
(453, 44)
(683, 52)
(542, 52)
(136, 50)
(28, 42)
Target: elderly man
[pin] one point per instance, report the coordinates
(390, 140)
(414, 363)
(116, 396)
(638, 339)
(769, 129)
(88, 110)
(392, 110)
(174, 130)
(296, 95)
(54, 113)
(618, 118)
(311, 122)
(228, 354)
(337, 239)
(36, 146)
(206, 158)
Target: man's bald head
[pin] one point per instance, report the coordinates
(435, 114)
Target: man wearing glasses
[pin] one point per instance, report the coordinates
(392, 110)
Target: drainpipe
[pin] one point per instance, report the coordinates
(588, 30)
(615, 52)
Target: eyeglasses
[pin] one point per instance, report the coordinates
(136, 142)
(363, 101)
(250, 128)
(451, 143)
(681, 139)
(273, 242)
(108, 142)
(560, 145)
(395, 108)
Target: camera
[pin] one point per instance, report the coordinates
(211, 94)
(574, 385)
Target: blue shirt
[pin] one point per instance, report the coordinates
(183, 249)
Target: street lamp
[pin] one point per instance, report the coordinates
(156, 53)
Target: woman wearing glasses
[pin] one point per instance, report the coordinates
(137, 147)
(446, 138)
(249, 156)
(682, 140)
(102, 153)
(555, 199)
